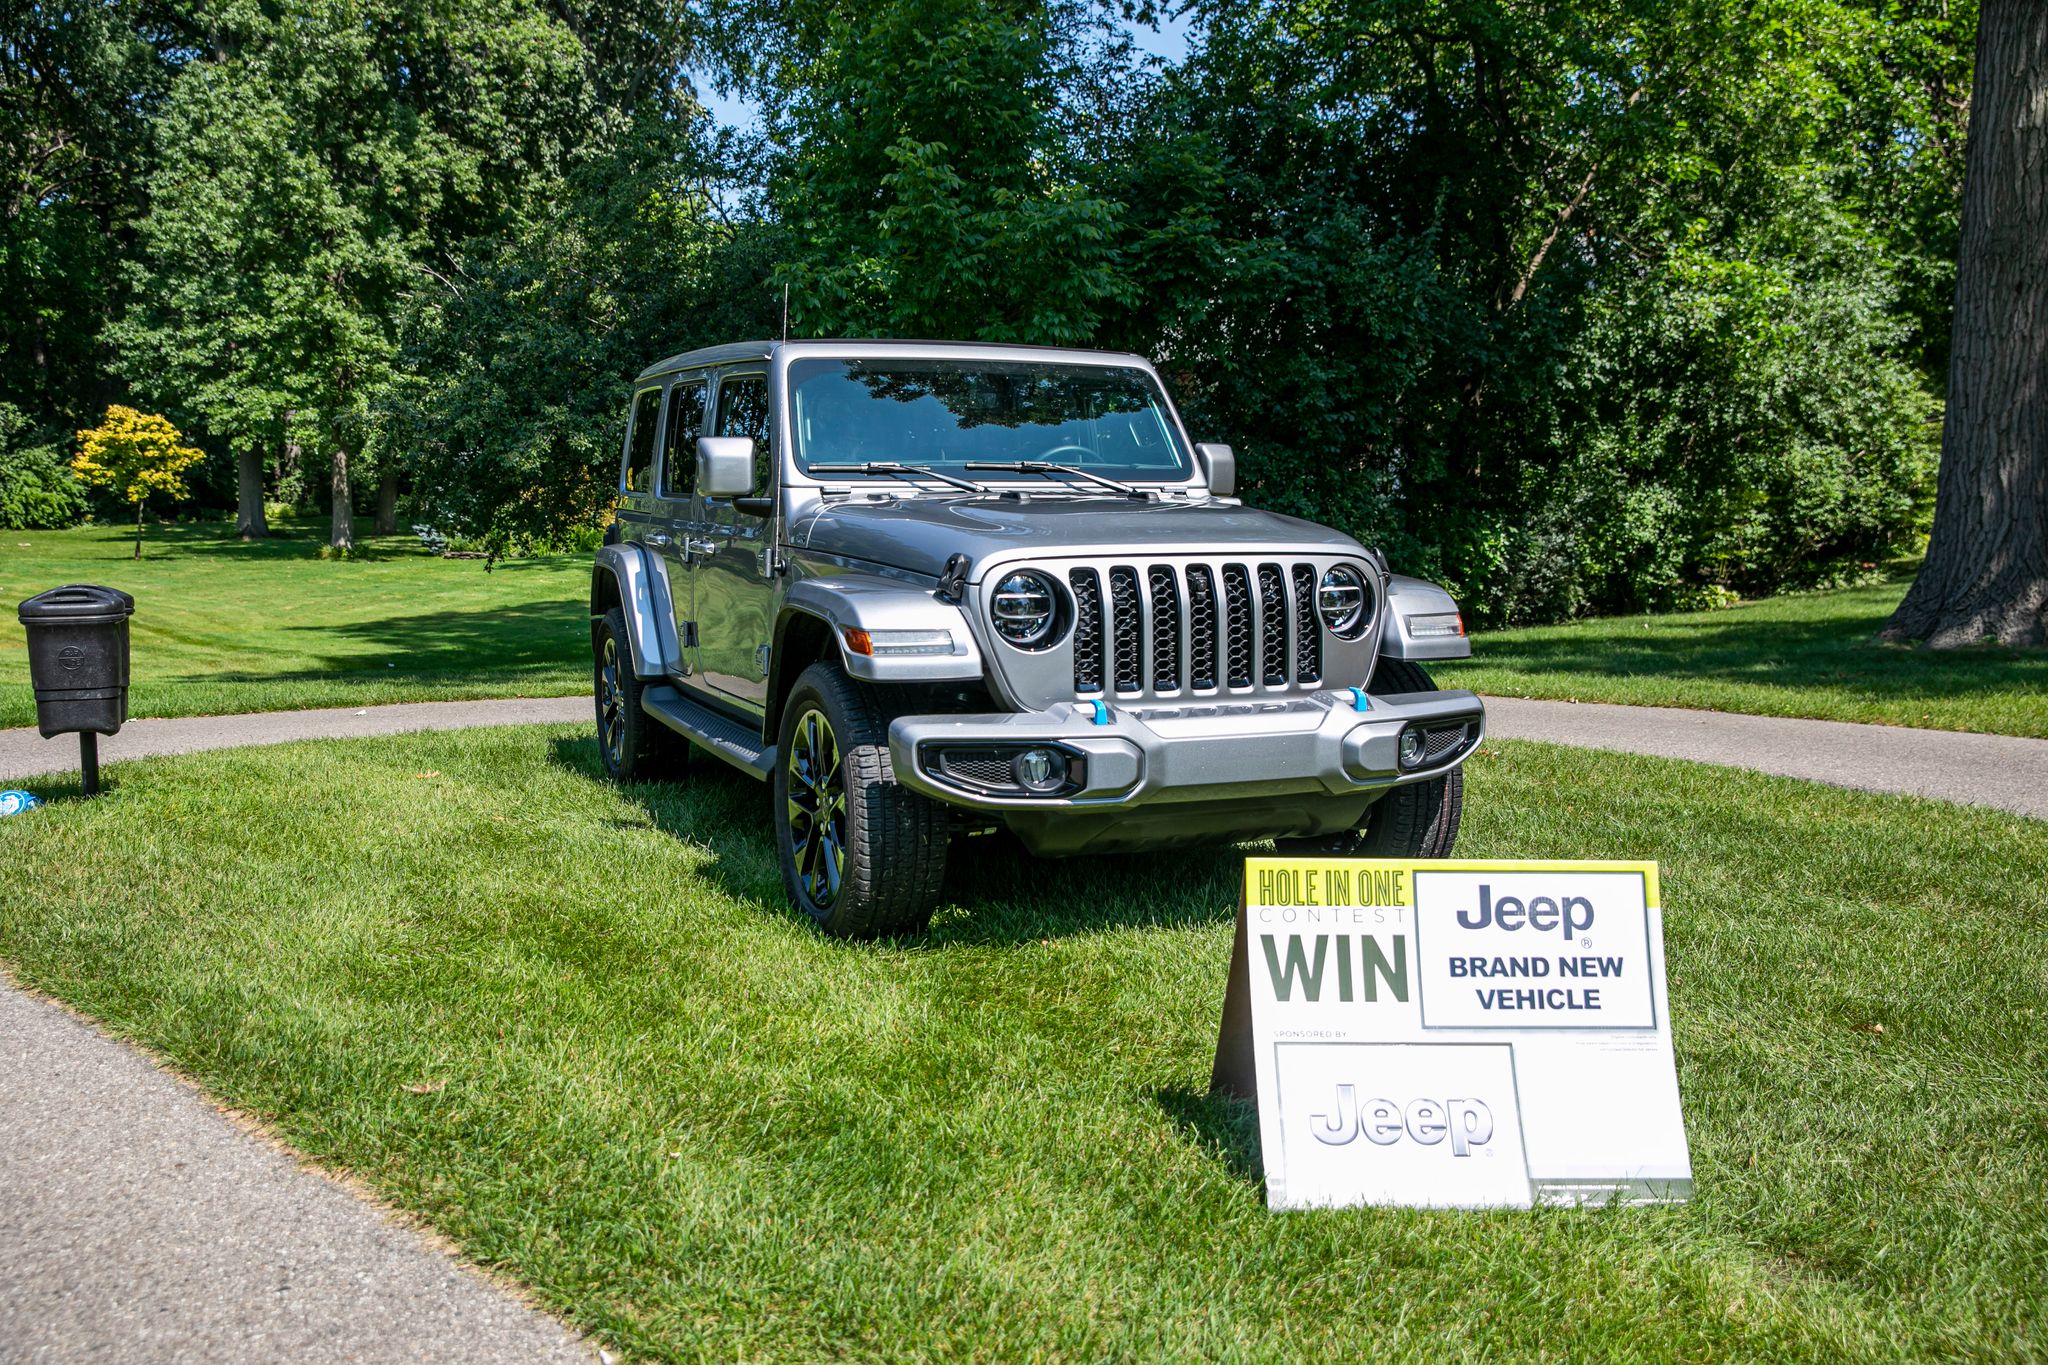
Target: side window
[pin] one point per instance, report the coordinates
(640, 445)
(679, 444)
(743, 411)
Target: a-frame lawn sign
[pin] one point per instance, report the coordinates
(1461, 1034)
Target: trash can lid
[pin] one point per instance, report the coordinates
(77, 602)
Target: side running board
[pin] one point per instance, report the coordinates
(729, 739)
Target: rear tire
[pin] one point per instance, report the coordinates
(635, 746)
(860, 854)
(1416, 821)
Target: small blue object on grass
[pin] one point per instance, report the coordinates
(15, 802)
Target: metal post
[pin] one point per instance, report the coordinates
(89, 761)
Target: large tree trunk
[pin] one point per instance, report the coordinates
(249, 520)
(343, 534)
(387, 505)
(1986, 573)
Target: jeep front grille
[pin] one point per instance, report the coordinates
(1165, 627)
(1087, 630)
(1124, 634)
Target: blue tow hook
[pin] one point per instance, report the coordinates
(1101, 712)
(1359, 701)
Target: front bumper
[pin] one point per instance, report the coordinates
(1340, 744)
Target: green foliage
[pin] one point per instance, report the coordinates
(512, 412)
(38, 491)
(927, 191)
(79, 86)
(313, 175)
(1564, 304)
(1581, 306)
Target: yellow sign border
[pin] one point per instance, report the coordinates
(1652, 894)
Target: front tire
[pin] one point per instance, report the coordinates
(861, 855)
(1416, 821)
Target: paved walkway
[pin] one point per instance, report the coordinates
(24, 753)
(139, 1225)
(136, 1223)
(1985, 770)
(1978, 770)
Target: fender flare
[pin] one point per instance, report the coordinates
(641, 590)
(1408, 598)
(872, 603)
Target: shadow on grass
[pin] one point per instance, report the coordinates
(1224, 1127)
(289, 540)
(1007, 896)
(492, 644)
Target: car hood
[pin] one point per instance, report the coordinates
(921, 533)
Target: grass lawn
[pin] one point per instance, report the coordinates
(578, 1029)
(1811, 654)
(223, 627)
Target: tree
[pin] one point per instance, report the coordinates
(79, 85)
(317, 168)
(135, 454)
(928, 186)
(1559, 302)
(1986, 571)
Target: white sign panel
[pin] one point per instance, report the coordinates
(1455, 1034)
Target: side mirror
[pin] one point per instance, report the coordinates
(1219, 467)
(725, 466)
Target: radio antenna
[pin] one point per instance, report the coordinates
(785, 311)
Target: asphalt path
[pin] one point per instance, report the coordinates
(24, 753)
(1977, 770)
(138, 1223)
(1984, 770)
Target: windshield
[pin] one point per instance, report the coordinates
(946, 414)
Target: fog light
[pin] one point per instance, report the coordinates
(1040, 770)
(1413, 746)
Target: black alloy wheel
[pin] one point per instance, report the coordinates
(816, 808)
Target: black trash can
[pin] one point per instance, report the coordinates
(78, 658)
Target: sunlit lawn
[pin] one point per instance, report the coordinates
(578, 1029)
(221, 626)
(1809, 654)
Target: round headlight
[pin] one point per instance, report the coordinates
(1024, 609)
(1344, 601)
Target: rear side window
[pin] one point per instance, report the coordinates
(679, 445)
(743, 411)
(640, 445)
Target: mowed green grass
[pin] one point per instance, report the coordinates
(223, 627)
(578, 1029)
(1809, 654)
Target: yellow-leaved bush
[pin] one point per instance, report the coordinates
(135, 454)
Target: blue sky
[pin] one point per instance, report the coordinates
(1169, 42)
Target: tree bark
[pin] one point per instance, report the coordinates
(250, 523)
(138, 530)
(343, 533)
(1986, 572)
(387, 505)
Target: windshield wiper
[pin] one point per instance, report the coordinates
(1048, 467)
(907, 472)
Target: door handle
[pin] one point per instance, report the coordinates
(701, 547)
(655, 538)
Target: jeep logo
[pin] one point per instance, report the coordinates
(1468, 1123)
(1541, 913)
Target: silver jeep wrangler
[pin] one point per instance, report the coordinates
(931, 590)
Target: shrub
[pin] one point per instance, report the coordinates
(38, 491)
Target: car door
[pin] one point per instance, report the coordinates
(676, 489)
(733, 584)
